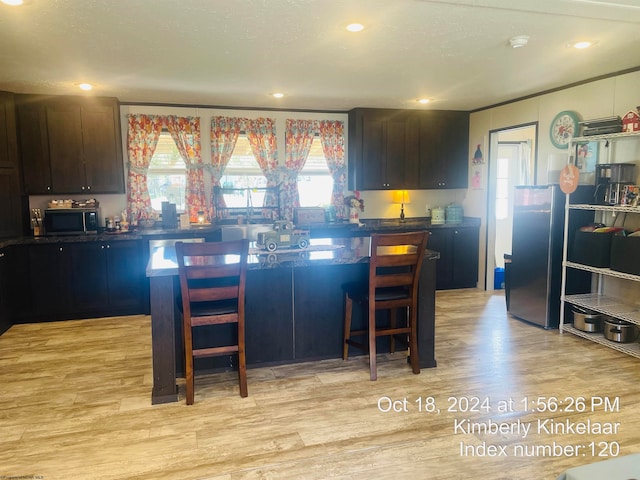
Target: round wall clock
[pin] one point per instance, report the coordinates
(563, 127)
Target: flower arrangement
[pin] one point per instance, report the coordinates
(354, 201)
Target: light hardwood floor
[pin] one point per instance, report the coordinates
(75, 404)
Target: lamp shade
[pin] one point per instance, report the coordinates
(400, 196)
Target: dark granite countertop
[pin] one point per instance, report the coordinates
(321, 251)
(102, 237)
(336, 229)
(418, 223)
(142, 234)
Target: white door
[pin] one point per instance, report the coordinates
(512, 162)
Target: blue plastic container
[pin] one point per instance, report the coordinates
(498, 278)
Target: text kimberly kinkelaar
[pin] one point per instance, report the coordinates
(547, 426)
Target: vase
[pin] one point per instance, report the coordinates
(354, 215)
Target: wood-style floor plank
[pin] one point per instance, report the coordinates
(75, 404)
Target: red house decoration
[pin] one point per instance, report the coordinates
(631, 122)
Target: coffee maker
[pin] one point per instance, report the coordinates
(611, 180)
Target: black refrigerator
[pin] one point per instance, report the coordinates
(536, 252)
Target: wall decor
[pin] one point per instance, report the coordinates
(478, 159)
(586, 157)
(564, 126)
(477, 177)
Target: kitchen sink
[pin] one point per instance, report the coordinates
(250, 231)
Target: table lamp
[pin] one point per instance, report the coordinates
(401, 197)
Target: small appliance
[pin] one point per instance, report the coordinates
(71, 221)
(611, 182)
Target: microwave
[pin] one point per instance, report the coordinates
(71, 221)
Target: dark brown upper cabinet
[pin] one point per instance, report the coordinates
(383, 149)
(11, 201)
(444, 149)
(407, 149)
(70, 144)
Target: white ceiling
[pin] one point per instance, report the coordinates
(237, 52)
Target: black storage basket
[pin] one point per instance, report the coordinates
(590, 248)
(625, 254)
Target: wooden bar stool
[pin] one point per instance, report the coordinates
(394, 270)
(212, 284)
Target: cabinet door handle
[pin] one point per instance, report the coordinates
(60, 249)
(88, 187)
(108, 246)
(48, 188)
(1, 255)
(102, 247)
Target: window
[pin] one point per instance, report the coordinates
(315, 182)
(167, 176)
(243, 171)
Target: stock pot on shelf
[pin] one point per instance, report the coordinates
(620, 331)
(586, 320)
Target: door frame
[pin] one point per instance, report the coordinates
(490, 238)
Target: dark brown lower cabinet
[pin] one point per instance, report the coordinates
(268, 324)
(85, 279)
(319, 308)
(6, 319)
(269, 315)
(458, 248)
(14, 281)
(291, 314)
(49, 283)
(108, 277)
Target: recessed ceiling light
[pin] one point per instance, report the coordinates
(278, 95)
(582, 44)
(519, 41)
(13, 3)
(85, 86)
(355, 27)
(423, 101)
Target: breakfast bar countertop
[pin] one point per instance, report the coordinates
(321, 251)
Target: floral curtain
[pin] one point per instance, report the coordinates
(332, 136)
(261, 134)
(142, 139)
(299, 136)
(185, 131)
(224, 135)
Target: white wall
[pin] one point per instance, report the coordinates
(602, 98)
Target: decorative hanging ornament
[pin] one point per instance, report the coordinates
(569, 177)
(477, 157)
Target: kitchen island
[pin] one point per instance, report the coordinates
(293, 313)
